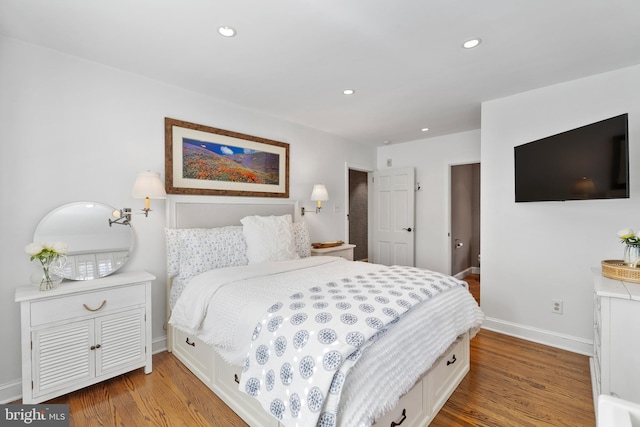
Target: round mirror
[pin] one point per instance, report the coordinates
(95, 248)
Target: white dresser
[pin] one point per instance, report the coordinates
(615, 365)
(83, 332)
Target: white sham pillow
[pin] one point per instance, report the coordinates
(301, 239)
(173, 251)
(204, 249)
(269, 238)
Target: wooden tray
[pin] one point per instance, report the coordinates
(618, 270)
(322, 245)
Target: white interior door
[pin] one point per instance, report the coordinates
(393, 217)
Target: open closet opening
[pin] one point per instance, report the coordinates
(358, 214)
(465, 225)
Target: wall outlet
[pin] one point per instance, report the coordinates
(556, 306)
(389, 163)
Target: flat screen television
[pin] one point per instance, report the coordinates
(590, 162)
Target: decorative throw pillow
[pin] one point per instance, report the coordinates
(204, 249)
(269, 238)
(301, 239)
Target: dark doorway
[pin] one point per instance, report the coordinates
(359, 214)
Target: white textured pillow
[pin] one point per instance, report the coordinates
(301, 239)
(269, 238)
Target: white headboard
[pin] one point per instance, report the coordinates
(213, 211)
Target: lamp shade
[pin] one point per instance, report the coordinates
(148, 184)
(319, 193)
(584, 186)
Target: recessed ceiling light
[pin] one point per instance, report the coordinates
(387, 142)
(227, 31)
(424, 129)
(470, 44)
(348, 91)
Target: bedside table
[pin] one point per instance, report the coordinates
(84, 332)
(343, 251)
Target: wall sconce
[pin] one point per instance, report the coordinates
(122, 217)
(319, 194)
(147, 186)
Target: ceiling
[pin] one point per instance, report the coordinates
(293, 58)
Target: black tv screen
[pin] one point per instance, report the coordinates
(590, 162)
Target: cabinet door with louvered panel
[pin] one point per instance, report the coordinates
(61, 357)
(120, 342)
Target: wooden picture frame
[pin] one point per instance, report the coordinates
(204, 160)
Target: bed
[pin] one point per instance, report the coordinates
(288, 339)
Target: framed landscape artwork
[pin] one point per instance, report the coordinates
(205, 160)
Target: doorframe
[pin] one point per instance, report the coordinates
(359, 168)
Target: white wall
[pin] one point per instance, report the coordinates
(535, 252)
(432, 159)
(74, 130)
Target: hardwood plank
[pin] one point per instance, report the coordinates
(512, 383)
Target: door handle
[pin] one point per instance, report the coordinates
(408, 229)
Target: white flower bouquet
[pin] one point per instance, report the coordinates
(629, 237)
(51, 256)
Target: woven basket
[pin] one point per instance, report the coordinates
(617, 269)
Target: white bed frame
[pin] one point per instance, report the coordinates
(416, 408)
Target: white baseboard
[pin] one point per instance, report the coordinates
(10, 392)
(529, 333)
(159, 344)
(466, 272)
(541, 336)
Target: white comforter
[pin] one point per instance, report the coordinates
(223, 306)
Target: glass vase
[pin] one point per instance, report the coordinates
(49, 275)
(632, 255)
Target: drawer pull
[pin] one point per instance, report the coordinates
(236, 379)
(86, 307)
(93, 347)
(404, 417)
(192, 344)
(452, 361)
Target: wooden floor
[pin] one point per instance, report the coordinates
(512, 383)
(473, 280)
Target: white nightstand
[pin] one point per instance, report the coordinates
(343, 251)
(84, 332)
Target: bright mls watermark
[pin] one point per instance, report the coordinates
(34, 415)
